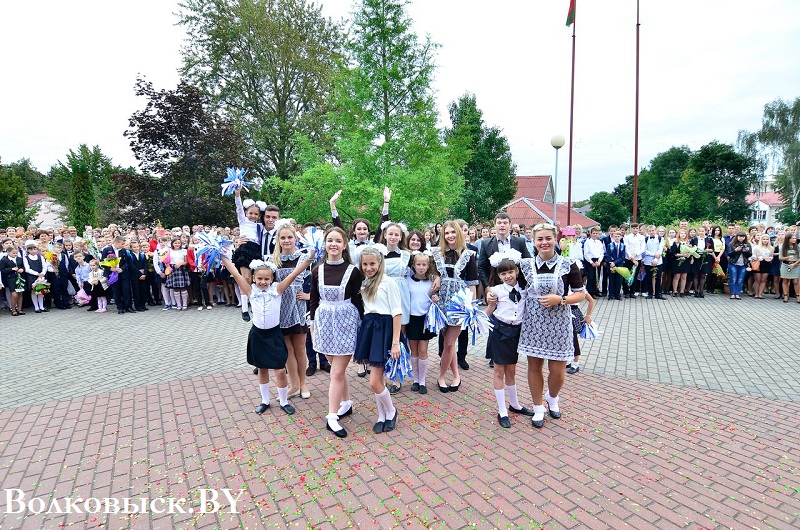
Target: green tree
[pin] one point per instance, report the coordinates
(384, 127)
(727, 176)
(489, 174)
(778, 144)
(267, 65)
(662, 176)
(607, 209)
(33, 179)
(624, 193)
(100, 167)
(13, 199)
(688, 200)
(83, 210)
(188, 148)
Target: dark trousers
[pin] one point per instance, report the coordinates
(139, 289)
(200, 284)
(592, 275)
(614, 284)
(60, 293)
(649, 279)
(122, 293)
(461, 348)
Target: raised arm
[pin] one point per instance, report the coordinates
(387, 196)
(337, 221)
(243, 284)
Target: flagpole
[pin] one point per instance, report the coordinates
(571, 111)
(636, 127)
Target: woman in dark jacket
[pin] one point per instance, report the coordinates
(739, 252)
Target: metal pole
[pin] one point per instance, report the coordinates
(636, 127)
(571, 111)
(555, 190)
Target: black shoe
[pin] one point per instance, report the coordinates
(538, 424)
(341, 433)
(288, 409)
(37, 310)
(464, 365)
(362, 371)
(525, 411)
(261, 409)
(423, 389)
(311, 370)
(388, 425)
(573, 369)
(326, 368)
(649, 296)
(130, 311)
(504, 421)
(246, 317)
(120, 312)
(454, 388)
(394, 389)
(661, 297)
(491, 363)
(443, 389)
(46, 309)
(378, 427)
(415, 387)
(346, 413)
(255, 371)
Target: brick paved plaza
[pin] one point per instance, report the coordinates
(686, 414)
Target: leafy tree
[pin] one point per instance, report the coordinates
(267, 65)
(624, 193)
(13, 199)
(384, 129)
(728, 177)
(176, 138)
(778, 143)
(662, 176)
(60, 181)
(688, 200)
(489, 175)
(33, 179)
(83, 211)
(607, 209)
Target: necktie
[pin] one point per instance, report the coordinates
(514, 295)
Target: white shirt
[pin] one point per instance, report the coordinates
(387, 299)
(593, 249)
(419, 291)
(634, 245)
(247, 228)
(506, 310)
(652, 250)
(265, 306)
(503, 244)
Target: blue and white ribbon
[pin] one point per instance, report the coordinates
(312, 239)
(435, 319)
(589, 331)
(235, 181)
(464, 310)
(398, 369)
(212, 250)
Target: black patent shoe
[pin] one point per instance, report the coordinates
(525, 411)
(378, 427)
(288, 409)
(246, 317)
(261, 409)
(415, 387)
(341, 433)
(388, 425)
(423, 389)
(504, 421)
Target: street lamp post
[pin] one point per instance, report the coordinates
(557, 142)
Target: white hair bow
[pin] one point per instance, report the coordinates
(261, 205)
(403, 228)
(380, 247)
(247, 203)
(510, 254)
(256, 263)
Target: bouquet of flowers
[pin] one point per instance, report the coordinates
(398, 369)
(464, 310)
(19, 286)
(82, 298)
(625, 272)
(112, 263)
(686, 249)
(40, 286)
(52, 259)
(717, 269)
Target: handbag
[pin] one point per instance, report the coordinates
(577, 318)
(755, 265)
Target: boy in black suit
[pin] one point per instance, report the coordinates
(615, 257)
(122, 287)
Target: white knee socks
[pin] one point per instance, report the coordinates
(500, 396)
(415, 368)
(423, 371)
(512, 396)
(264, 393)
(283, 395)
(386, 401)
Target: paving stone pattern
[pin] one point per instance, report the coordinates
(160, 405)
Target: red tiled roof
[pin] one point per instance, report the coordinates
(33, 199)
(770, 198)
(532, 187)
(530, 212)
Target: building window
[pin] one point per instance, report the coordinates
(759, 215)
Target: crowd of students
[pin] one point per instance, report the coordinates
(373, 288)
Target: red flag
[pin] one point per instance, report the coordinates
(571, 14)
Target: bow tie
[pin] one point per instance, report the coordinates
(514, 295)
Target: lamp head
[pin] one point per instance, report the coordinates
(557, 141)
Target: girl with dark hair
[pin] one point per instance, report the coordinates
(790, 258)
(416, 241)
(739, 251)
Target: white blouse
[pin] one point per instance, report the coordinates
(387, 299)
(265, 306)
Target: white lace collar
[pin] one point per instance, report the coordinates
(332, 262)
(289, 257)
(550, 263)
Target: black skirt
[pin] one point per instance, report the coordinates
(415, 329)
(502, 344)
(266, 348)
(297, 329)
(374, 339)
(247, 253)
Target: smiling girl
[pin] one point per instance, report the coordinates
(335, 310)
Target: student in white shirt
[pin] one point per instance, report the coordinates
(507, 308)
(379, 334)
(594, 252)
(634, 245)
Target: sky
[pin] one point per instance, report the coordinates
(706, 71)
